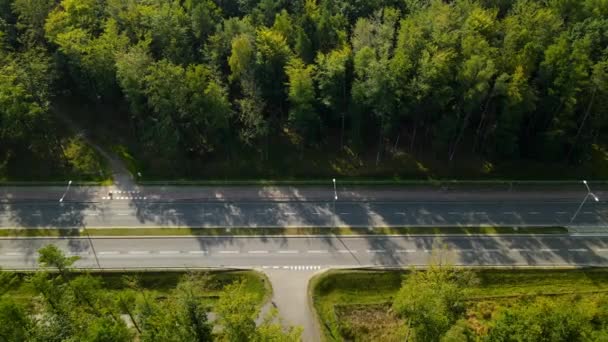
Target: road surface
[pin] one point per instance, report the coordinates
(315, 252)
(289, 206)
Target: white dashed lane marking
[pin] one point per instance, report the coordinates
(258, 252)
(288, 252)
(578, 250)
(139, 252)
(376, 251)
(229, 252)
(318, 251)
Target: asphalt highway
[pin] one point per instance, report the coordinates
(119, 213)
(34, 207)
(315, 252)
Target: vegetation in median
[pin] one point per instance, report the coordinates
(448, 304)
(261, 231)
(59, 303)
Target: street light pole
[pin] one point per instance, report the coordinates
(335, 192)
(589, 193)
(66, 191)
(92, 247)
(335, 195)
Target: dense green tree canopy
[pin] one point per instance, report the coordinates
(504, 79)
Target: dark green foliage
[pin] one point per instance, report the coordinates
(499, 79)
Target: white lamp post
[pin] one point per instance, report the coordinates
(589, 193)
(66, 191)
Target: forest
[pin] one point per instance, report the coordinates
(193, 81)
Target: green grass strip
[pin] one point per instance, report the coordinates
(353, 287)
(42, 232)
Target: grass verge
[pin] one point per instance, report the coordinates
(341, 297)
(42, 232)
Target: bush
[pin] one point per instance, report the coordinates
(83, 159)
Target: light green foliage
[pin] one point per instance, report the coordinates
(272, 54)
(181, 317)
(302, 114)
(432, 300)
(89, 44)
(241, 57)
(18, 109)
(284, 25)
(131, 69)
(550, 320)
(50, 256)
(250, 108)
(272, 329)
(332, 78)
(237, 313)
(83, 159)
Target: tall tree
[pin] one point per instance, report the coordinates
(302, 113)
(332, 77)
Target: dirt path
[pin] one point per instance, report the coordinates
(121, 176)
